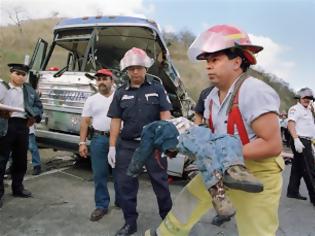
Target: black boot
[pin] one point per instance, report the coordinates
(126, 230)
(37, 170)
(296, 196)
(24, 193)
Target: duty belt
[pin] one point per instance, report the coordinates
(308, 138)
(95, 131)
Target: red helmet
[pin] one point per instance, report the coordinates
(222, 37)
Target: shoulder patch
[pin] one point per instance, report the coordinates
(292, 110)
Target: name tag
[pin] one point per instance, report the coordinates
(126, 97)
(150, 95)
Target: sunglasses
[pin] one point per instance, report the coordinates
(103, 78)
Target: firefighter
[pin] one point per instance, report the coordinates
(247, 107)
(139, 102)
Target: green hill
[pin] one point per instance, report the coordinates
(17, 42)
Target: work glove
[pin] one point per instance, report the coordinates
(111, 157)
(298, 145)
(182, 124)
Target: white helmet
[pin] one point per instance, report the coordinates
(135, 57)
(305, 92)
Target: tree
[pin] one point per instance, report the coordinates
(16, 15)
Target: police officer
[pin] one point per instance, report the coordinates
(302, 129)
(95, 113)
(139, 102)
(14, 139)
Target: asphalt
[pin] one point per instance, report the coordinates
(63, 200)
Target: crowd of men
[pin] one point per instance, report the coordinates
(235, 104)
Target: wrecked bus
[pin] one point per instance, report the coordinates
(82, 45)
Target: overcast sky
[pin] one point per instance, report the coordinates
(284, 27)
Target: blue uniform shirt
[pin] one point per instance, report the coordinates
(200, 106)
(138, 107)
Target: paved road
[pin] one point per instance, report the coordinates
(63, 201)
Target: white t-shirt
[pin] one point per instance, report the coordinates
(304, 121)
(96, 107)
(255, 99)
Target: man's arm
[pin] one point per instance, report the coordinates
(298, 145)
(84, 126)
(198, 118)
(165, 115)
(115, 125)
(38, 108)
(292, 130)
(268, 141)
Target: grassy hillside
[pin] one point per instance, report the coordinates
(16, 42)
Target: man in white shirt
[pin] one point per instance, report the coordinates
(302, 128)
(95, 113)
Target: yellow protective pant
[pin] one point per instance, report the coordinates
(256, 213)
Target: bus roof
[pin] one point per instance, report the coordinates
(106, 20)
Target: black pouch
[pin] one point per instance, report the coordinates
(90, 132)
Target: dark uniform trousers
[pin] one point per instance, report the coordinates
(303, 166)
(128, 186)
(14, 143)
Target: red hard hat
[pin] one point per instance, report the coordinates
(222, 37)
(104, 72)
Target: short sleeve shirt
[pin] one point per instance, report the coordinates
(255, 99)
(138, 107)
(304, 120)
(96, 107)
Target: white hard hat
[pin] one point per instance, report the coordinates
(305, 92)
(135, 57)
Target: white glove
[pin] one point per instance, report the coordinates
(182, 124)
(111, 157)
(298, 145)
